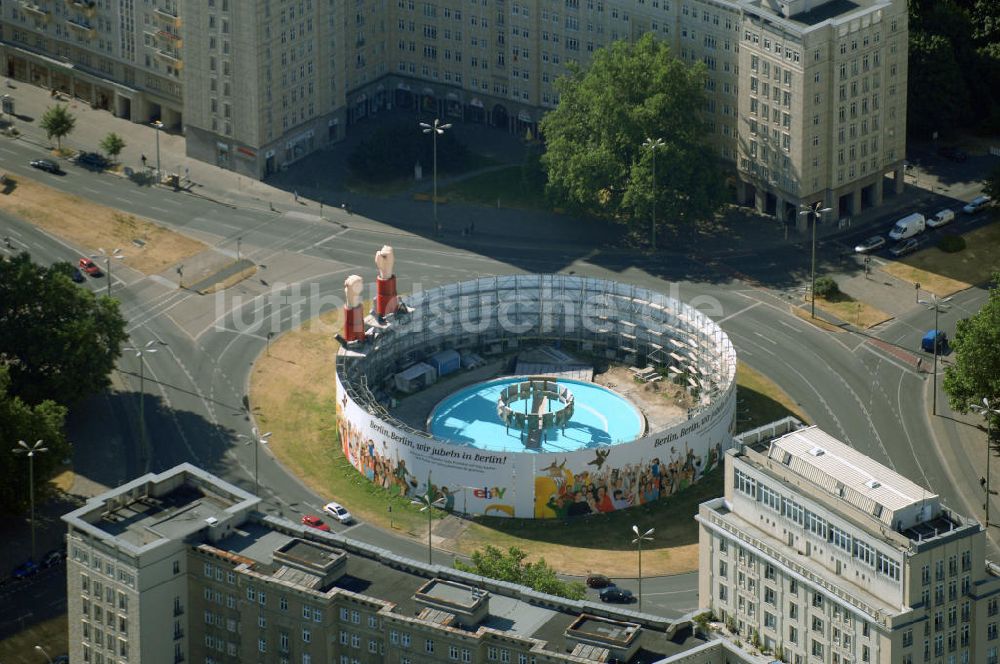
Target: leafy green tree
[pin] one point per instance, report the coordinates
(58, 341)
(57, 122)
(19, 421)
(937, 95)
(510, 566)
(113, 144)
(594, 159)
(991, 185)
(975, 374)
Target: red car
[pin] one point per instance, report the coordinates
(315, 522)
(90, 267)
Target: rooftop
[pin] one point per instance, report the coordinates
(849, 475)
(825, 11)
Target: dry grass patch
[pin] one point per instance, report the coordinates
(846, 308)
(293, 395)
(944, 273)
(90, 225)
(818, 322)
(231, 281)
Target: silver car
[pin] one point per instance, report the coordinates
(874, 243)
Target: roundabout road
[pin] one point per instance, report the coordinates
(196, 387)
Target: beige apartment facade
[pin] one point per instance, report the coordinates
(820, 554)
(804, 99)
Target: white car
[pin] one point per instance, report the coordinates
(337, 511)
(942, 218)
(977, 204)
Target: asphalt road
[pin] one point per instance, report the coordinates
(196, 383)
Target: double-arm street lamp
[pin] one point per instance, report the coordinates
(434, 130)
(815, 212)
(140, 351)
(256, 438)
(639, 539)
(116, 254)
(653, 145)
(938, 305)
(44, 652)
(30, 451)
(987, 409)
(428, 504)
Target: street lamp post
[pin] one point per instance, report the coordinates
(239, 241)
(158, 125)
(139, 352)
(30, 452)
(116, 254)
(814, 211)
(428, 504)
(256, 438)
(938, 306)
(653, 145)
(44, 652)
(639, 539)
(987, 409)
(434, 130)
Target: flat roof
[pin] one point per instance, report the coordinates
(451, 592)
(827, 10)
(847, 474)
(602, 629)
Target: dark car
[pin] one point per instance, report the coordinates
(598, 581)
(905, 247)
(46, 165)
(77, 276)
(52, 558)
(61, 659)
(26, 569)
(92, 159)
(953, 154)
(617, 595)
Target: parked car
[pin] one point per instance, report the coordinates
(617, 595)
(942, 218)
(92, 159)
(61, 659)
(953, 154)
(976, 204)
(598, 581)
(927, 342)
(90, 267)
(46, 165)
(908, 226)
(337, 511)
(315, 522)
(905, 247)
(26, 569)
(77, 276)
(874, 243)
(52, 558)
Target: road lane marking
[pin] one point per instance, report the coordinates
(735, 314)
(790, 327)
(767, 339)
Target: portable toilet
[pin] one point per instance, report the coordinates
(446, 362)
(927, 343)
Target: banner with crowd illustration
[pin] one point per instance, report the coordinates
(534, 485)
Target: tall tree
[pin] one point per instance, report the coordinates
(975, 373)
(594, 160)
(510, 566)
(937, 97)
(113, 144)
(57, 122)
(19, 421)
(58, 341)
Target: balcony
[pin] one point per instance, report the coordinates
(167, 16)
(178, 634)
(88, 7)
(172, 58)
(178, 610)
(171, 39)
(35, 10)
(81, 27)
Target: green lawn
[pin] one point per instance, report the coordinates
(504, 184)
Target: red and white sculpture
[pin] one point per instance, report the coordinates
(354, 317)
(386, 301)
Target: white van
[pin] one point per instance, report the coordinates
(908, 226)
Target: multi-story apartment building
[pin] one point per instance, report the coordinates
(804, 98)
(825, 555)
(179, 567)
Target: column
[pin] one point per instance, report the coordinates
(741, 192)
(877, 191)
(779, 208)
(759, 200)
(898, 176)
(856, 201)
